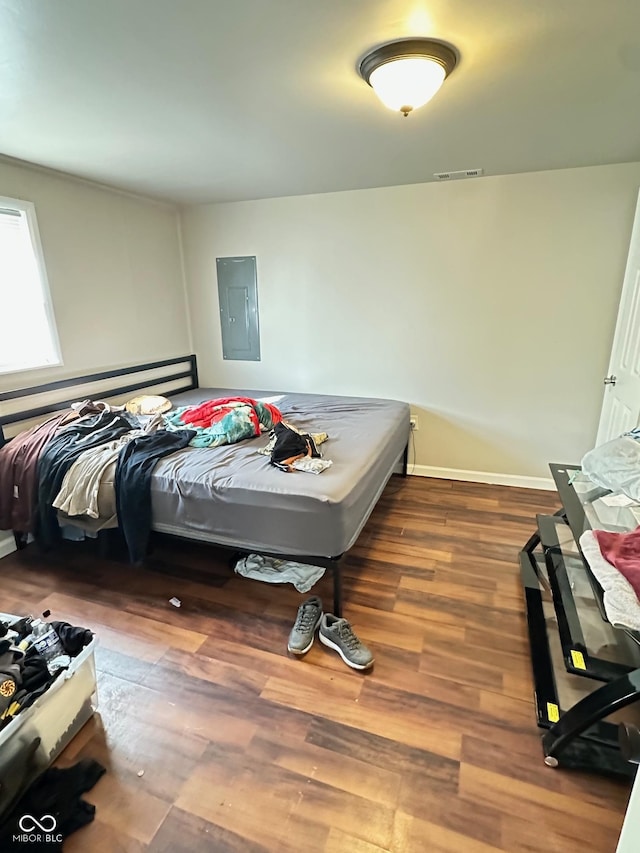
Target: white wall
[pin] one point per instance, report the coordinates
(114, 268)
(488, 304)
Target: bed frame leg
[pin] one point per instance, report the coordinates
(103, 544)
(337, 587)
(405, 460)
(20, 539)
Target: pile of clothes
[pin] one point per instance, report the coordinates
(89, 468)
(59, 472)
(232, 419)
(224, 421)
(33, 654)
(615, 465)
(614, 557)
(292, 450)
(55, 796)
(31, 660)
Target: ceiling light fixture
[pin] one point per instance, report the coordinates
(406, 74)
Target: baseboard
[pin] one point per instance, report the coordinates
(7, 544)
(482, 477)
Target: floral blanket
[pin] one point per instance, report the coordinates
(224, 421)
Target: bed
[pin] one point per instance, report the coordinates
(231, 496)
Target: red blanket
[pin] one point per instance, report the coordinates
(209, 413)
(622, 550)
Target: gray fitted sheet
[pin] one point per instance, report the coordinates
(233, 496)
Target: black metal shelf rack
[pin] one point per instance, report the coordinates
(578, 736)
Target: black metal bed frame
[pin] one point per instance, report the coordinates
(157, 383)
(191, 374)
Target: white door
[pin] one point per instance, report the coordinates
(621, 405)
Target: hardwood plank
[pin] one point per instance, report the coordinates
(182, 832)
(474, 821)
(487, 638)
(438, 608)
(596, 826)
(97, 616)
(418, 557)
(402, 826)
(443, 689)
(445, 721)
(435, 771)
(128, 810)
(101, 837)
(340, 842)
(394, 629)
(246, 748)
(458, 592)
(525, 764)
(375, 783)
(524, 836)
(227, 674)
(424, 835)
(410, 729)
(464, 670)
(221, 796)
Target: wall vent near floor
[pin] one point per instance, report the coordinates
(454, 176)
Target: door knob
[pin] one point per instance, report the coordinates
(610, 380)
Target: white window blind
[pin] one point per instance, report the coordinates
(28, 336)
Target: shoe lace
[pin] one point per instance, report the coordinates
(305, 618)
(346, 633)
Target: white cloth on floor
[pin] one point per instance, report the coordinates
(272, 570)
(620, 601)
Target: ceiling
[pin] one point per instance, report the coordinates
(220, 100)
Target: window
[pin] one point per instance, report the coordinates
(28, 336)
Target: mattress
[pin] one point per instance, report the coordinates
(233, 496)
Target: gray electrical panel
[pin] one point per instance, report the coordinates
(238, 295)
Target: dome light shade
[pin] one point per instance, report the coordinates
(406, 74)
(406, 84)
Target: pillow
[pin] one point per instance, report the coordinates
(148, 404)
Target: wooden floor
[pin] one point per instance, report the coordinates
(244, 749)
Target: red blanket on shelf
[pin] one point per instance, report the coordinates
(622, 550)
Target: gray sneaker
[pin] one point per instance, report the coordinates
(303, 632)
(338, 634)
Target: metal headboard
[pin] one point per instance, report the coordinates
(152, 376)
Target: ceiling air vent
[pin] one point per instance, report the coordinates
(454, 176)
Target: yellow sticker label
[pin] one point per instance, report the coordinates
(553, 712)
(578, 659)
